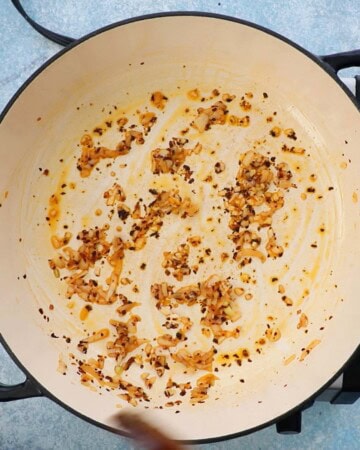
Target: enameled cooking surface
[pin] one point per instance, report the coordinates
(315, 226)
(277, 292)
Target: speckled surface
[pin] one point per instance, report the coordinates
(322, 26)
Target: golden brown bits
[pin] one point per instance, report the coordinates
(86, 140)
(245, 277)
(58, 242)
(97, 336)
(248, 296)
(255, 175)
(281, 289)
(224, 256)
(124, 211)
(287, 300)
(293, 150)
(254, 186)
(122, 122)
(194, 240)
(275, 132)
(197, 360)
(170, 159)
(54, 199)
(239, 291)
(228, 98)
(114, 195)
(206, 332)
(303, 321)
(194, 94)
(273, 334)
(308, 349)
(84, 312)
(147, 120)
(158, 99)
(289, 359)
(290, 133)
(219, 167)
(136, 213)
(274, 250)
(239, 121)
(90, 156)
(245, 105)
(178, 261)
(215, 115)
(98, 130)
(148, 381)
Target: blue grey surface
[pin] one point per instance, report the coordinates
(321, 26)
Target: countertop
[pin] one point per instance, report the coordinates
(321, 26)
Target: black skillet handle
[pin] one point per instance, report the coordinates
(350, 391)
(28, 388)
(338, 61)
(290, 424)
(20, 391)
(345, 60)
(55, 37)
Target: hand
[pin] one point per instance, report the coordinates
(146, 435)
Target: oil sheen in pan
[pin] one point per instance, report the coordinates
(302, 270)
